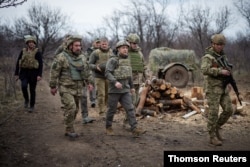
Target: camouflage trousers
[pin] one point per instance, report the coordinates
(135, 95)
(70, 107)
(214, 119)
(137, 81)
(102, 94)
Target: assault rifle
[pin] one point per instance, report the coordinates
(229, 79)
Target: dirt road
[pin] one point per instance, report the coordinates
(37, 139)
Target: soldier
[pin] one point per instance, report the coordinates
(29, 69)
(97, 62)
(92, 90)
(68, 72)
(119, 73)
(216, 93)
(92, 93)
(138, 65)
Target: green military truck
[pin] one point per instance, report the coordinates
(174, 65)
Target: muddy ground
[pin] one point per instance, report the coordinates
(37, 139)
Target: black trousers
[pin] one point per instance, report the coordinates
(31, 83)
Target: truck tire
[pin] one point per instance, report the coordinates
(177, 75)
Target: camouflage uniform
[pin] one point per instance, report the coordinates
(99, 57)
(216, 93)
(92, 93)
(138, 65)
(70, 82)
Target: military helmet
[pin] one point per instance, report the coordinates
(29, 38)
(218, 39)
(133, 38)
(72, 39)
(122, 43)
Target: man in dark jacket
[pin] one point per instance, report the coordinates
(119, 73)
(29, 68)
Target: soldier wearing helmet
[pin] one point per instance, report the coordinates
(119, 73)
(138, 65)
(69, 73)
(216, 94)
(29, 68)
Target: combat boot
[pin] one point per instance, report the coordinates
(136, 132)
(218, 134)
(26, 104)
(109, 131)
(71, 133)
(88, 120)
(215, 141)
(31, 109)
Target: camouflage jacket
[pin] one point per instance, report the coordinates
(61, 77)
(211, 70)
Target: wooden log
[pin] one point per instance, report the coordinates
(143, 96)
(189, 103)
(168, 85)
(195, 108)
(148, 112)
(172, 96)
(166, 93)
(197, 92)
(155, 94)
(172, 102)
(163, 87)
(173, 90)
(150, 101)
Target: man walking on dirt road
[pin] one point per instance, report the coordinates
(29, 68)
(217, 93)
(69, 72)
(119, 73)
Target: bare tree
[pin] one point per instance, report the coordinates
(243, 7)
(200, 23)
(114, 25)
(147, 18)
(45, 23)
(10, 3)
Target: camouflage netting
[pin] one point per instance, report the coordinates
(160, 57)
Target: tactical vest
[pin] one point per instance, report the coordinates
(136, 61)
(123, 70)
(76, 67)
(28, 59)
(103, 58)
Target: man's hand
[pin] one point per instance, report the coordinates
(39, 78)
(90, 87)
(53, 91)
(225, 72)
(98, 68)
(132, 91)
(118, 85)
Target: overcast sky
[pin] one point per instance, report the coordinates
(88, 14)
